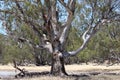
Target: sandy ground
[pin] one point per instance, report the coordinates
(71, 69)
(74, 67)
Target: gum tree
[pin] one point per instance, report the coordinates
(51, 21)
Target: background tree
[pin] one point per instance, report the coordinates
(44, 17)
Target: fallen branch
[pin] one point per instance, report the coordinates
(22, 71)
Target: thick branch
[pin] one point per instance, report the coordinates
(66, 29)
(54, 18)
(86, 37)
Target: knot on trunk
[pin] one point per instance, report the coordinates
(57, 54)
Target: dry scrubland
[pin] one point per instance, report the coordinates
(72, 69)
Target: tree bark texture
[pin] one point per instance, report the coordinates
(57, 67)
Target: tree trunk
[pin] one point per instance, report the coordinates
(57, 67)
(37, 61)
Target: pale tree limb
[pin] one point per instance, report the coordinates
(54, 18)
(86, 37)
(66, 29)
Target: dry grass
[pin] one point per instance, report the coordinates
(99, 77)
(47, 78)
(28, 68)
(71, 69)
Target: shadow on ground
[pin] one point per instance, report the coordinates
(77, 76)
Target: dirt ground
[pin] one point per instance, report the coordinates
(81, 72)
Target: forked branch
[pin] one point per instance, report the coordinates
(70, 9)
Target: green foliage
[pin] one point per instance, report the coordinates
(104, 42)
(32, 10)
(99, 47)
(74, 40)
(28, 33)
(13, 52)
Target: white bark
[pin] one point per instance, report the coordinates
(86, 37)
(54, 18)
(67, 26)
(47, 45)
